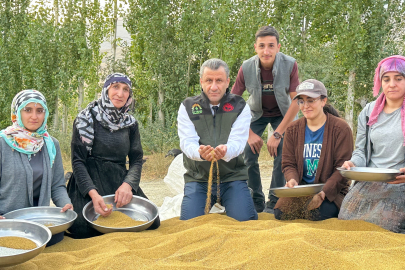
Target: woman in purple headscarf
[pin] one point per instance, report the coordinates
(380, 144)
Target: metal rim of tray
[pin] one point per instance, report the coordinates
(298, 191)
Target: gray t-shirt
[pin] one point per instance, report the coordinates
(387, 139)
(37, 166)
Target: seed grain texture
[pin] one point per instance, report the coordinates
(217, 241)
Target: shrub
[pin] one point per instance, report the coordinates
(157, 138)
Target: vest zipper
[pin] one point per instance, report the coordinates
(215, 109)
(215, 134)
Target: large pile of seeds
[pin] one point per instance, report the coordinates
(219, 242)
(117, 220)
(17, 243)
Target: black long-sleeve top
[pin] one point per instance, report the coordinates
(107, 147)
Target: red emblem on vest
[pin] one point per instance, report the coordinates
(228, 107)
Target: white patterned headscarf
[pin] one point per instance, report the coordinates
(21, 139)
(105, 112)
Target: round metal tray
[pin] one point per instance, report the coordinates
(36, 232)
(369, 174)
(298, 191)
(46, 215)
(139, 209)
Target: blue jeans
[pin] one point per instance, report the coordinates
(235, 196)
(251, 161)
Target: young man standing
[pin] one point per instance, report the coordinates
(270, 77)
(213, 125)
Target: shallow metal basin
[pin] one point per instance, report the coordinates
(369, 174)
(138, 209)
(298, 191)
(46, 215)
(23, 228)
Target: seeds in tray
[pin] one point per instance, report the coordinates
(17, 242)
(117, 220)
(49, 224)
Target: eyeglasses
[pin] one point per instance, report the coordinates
(301, 102)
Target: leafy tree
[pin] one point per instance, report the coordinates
(354, 32)
(52, 48)
(171, 39)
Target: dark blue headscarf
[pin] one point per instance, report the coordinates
(105, 112)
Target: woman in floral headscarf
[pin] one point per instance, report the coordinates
(31, 174)
(380, 144)
(104, 134)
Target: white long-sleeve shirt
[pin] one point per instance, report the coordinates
(189, 139)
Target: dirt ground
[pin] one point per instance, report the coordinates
(156, 189)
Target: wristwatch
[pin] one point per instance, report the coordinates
(277, 135)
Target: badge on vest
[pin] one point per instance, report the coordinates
(196, 109)
(227, 107)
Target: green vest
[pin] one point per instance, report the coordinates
(214, 131)
(282, 68)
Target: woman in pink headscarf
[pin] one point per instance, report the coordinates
(380, 144)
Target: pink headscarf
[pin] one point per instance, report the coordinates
(393, 63)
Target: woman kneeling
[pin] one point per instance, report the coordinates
(380, 144)
(104, 135)
(314, 146)
(31, 162)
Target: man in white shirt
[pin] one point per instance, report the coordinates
(215, 124)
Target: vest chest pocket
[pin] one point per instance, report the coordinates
(195, 118)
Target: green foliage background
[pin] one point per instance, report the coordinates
(54, 46)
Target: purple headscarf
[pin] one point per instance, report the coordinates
(394, 63)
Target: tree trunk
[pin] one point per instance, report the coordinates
(56, 11)
(115, 34)
(80, 91)
(188, 74)
(304, 38)
(161, 99)
(64, 119)
(80, 88)
(151, 111)
(56, 114)
(350, 98)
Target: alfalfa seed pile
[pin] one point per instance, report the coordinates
(117, 220)
(219, 242)
(17, 243)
